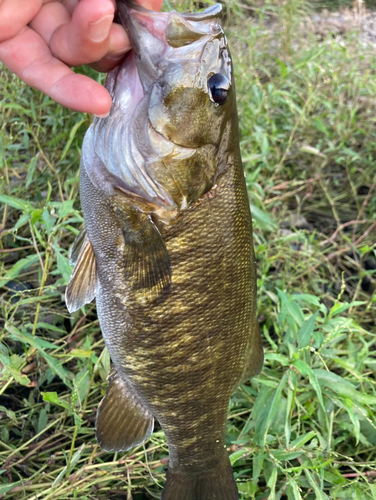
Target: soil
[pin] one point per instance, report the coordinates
(358, 19)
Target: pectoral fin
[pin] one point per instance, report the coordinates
(145, 258)
(147, 261)
(122, 422)
(77, 246)
(82, 286)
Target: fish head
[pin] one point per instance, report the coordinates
(173, 105)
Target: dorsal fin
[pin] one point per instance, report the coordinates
(82, 286)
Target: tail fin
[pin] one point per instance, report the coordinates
(213, 484)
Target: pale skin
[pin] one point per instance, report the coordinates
(41, 39)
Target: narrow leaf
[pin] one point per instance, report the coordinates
(307, 371)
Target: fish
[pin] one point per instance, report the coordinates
(167, 247)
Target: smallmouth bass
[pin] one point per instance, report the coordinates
(167, 250)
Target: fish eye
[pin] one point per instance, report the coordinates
(218, 88)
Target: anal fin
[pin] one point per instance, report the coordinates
(122, 422)
(255, 355)
(82, 286)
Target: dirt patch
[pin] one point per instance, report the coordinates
(355, 20)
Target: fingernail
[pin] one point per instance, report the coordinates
(116, 56)
(100, 30)
(102, 116)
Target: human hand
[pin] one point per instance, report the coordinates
(40, 39)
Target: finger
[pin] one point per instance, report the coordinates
(155, 5)
(86, 38)
(119, 45)
(49, 19)
(70, 5)
(91, 36)
(119, 42)
(15, 14)
(29, 57)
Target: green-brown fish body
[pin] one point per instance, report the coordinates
(168, 251)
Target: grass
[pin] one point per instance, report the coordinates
(306, 427)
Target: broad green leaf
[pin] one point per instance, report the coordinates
(247, 487)
(66, 208)
(301, 440)
(52, 328)
(262, 218)
(265, 418)
(106, 360)
(82, 384)
(12, 369)
(17, 269)
(10, 414)
(21, 221)
(16, 203)
(272, 482)
(305, 297)
(31, 170)
(320, 495)
(48, 220)
(340, 386)
(57, 368)
(306, 331)
(291, 307)
(282, 455)
(52, 397)
(42, 420)
(36, 216)
(295, 489)
(70, 466)
(373, 491)
(338, 307)
(280, 358)
(29, 339)
(5, 488)
(41, 345)
(320, 126)
(234, 457)
(77, 455)
(258, 461)
(283, 68)
(63, 265)
(72, 135)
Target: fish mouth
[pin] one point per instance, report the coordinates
(152, 34)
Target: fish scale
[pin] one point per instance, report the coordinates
(175, 283)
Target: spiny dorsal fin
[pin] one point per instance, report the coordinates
(82, 286)
(122, 422)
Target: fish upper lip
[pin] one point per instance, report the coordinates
(149, 34)
(146, 33)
